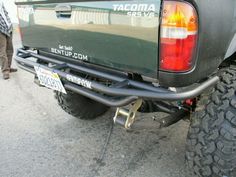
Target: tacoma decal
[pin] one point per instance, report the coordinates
(136, 10)
(79, 81)
(67, 51)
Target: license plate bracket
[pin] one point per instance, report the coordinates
(49, 79)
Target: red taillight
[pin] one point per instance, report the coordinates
(179, 32)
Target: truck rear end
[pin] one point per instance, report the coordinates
(135, 37)
(113, 52)
(120, 49)
(140, 56)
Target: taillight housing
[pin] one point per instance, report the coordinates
(178, 36)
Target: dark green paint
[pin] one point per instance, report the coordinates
(109, 38)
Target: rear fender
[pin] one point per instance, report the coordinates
(232, 48)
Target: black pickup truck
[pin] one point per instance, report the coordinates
(172, 56)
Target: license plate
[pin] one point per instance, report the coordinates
(49, 79)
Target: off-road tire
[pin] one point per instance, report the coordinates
(211, 141)
(80, 106)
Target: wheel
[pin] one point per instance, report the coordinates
(79, 106)
(211, 141)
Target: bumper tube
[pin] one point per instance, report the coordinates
(122, 93)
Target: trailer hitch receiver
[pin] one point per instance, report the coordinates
(126, 117)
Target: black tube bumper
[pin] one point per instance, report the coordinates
(121, 92)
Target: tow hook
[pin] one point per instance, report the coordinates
(126, 117)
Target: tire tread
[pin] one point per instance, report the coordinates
(211, 141)
(80, 106)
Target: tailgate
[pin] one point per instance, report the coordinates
(116, 34)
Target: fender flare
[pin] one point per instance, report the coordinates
(232, 48)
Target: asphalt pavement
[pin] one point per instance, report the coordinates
(38, 139)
